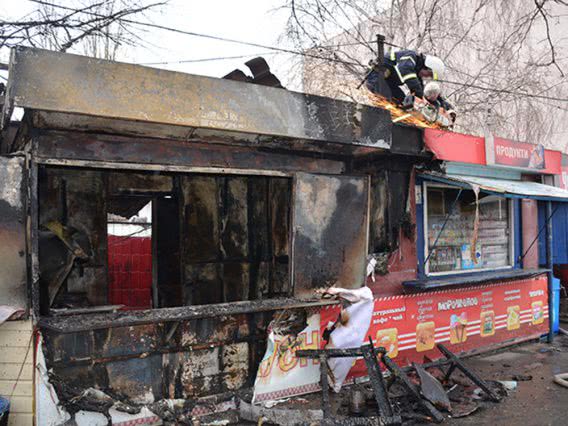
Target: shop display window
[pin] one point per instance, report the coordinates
(465, 233)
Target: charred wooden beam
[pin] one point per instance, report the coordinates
(77, 323)
(91, 360)
(412, 389)
(457, 363)
(86, 149)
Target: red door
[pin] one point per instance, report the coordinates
(130, 271)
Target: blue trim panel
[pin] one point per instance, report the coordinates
(517, 234)
(559, 233)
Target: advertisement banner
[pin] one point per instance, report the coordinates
(280, 373)
(410, 326)
(510, 153)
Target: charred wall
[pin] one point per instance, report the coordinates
(150, 362)
(13, 206)
(389, 207)
(234, 232)
(226, 238)
(218, 238)
(330, 232)
(77, 201)
(392, 226)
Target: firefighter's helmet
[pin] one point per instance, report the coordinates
(436, 65)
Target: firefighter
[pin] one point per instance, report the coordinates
(406, 67)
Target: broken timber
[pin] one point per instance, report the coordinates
(73, 324)
(386, 415)
(455, 362)
(371, 355)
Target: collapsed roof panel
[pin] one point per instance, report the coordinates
(43, 80)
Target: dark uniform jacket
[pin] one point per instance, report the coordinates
(402, 67)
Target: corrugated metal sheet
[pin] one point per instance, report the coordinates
(503, 187)
(466, 169)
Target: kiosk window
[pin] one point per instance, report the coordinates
(455, 243)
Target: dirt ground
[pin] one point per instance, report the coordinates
(535, 402)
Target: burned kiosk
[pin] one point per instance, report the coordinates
(247, 198)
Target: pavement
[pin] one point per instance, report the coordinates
(538, 401)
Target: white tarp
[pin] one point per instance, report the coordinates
(350, 331)
(6, 312)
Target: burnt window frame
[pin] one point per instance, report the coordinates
(196, 310)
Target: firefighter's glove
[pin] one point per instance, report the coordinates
(374, 65)
(408, 102)
(452, 115)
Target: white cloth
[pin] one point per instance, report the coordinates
(7, 311)
(352, 334)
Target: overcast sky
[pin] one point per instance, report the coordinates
(256, 21)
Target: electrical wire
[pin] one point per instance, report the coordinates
(293, 52)
(506, 91)
(206, 36)
(220, 58)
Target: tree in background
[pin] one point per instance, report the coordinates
(506, 60)
(97, 28)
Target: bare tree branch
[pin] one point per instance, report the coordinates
(502, 56)
(90, 24)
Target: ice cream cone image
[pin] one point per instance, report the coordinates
(458, 328)
(537, 313)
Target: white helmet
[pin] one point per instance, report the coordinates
(436, 65)
(432, 90)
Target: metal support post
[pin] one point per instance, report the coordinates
(379, 63)
(386, 415)
(549, 265)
